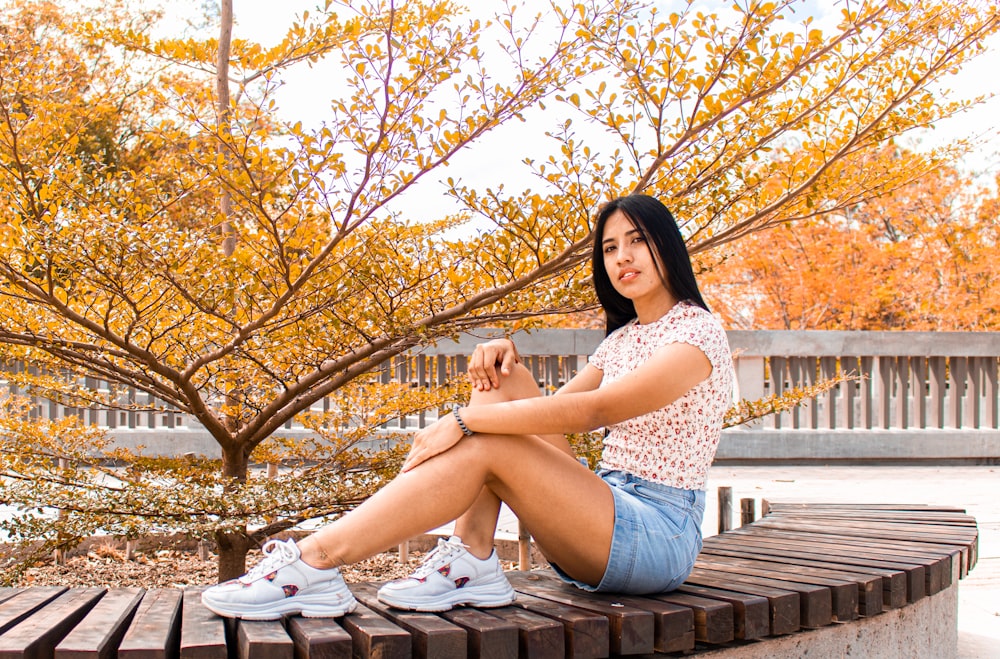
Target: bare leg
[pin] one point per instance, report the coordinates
(477, 526)
(559, 499)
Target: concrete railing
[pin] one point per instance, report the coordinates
(920, 395)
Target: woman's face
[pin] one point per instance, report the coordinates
(633, 269)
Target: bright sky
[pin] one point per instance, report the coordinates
(263, 21)
(496, 159)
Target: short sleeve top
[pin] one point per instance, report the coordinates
(674, 445)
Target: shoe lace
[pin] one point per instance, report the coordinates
(277, 554)
(442, 555)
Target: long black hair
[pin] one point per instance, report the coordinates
(657, 224)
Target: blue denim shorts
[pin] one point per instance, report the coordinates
(656, 539)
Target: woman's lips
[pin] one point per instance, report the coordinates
(627, 274)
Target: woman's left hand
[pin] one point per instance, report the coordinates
(433, 440)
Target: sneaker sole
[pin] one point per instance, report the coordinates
(273, 612)
(460, 597)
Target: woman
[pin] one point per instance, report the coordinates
(659, 383)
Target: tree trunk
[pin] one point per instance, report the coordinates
(233, 545)
(222, 99)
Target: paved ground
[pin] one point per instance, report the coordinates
(977, 489)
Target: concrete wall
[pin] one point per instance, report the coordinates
(922, 395)
(971, 446)
(926, 629)
(736, 447)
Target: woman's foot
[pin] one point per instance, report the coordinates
(281, 584)
(450, 576)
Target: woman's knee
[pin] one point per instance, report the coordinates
(516, 385)
(486, 451)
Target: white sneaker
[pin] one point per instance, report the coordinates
(281, 584)
(450, 576)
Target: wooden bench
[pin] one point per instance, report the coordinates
(800, 567)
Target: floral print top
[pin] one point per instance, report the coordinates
(673, 445)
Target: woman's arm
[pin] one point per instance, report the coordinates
(501, 355)
(490, 360)
(485, 360)
(580, 405)
(586, 379)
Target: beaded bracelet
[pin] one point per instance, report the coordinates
(461, 424)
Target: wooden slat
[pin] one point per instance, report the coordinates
(834, 554)
(862, 539)
(941, 521)
(433, 636)
(865, 509)
(713, 619)
(912, 531)
(203, 634)
(748, 607)
(884, 538)
(263, 639)
(964, 534)
(953, 527)
(585, 633)
(155, 631)
(100, 632)
(24, 603)
(489, 636)
(320, 638)
(374, 636)
(38, 635)
(869, 593)
(630, 629)
(673, 624)
(674, 628)
(844, 594)
(815, 602)
(940, 563)
(538, 637)
(878, 588)
(749, 613)
(904, 529)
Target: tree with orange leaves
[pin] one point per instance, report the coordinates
(922, 257)
(167, 230)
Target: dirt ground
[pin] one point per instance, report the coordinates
(172, 568)
(106, 564)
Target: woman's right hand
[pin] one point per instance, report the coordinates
(486, 358)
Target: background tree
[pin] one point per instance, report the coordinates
(919, 258)
(121, 178)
